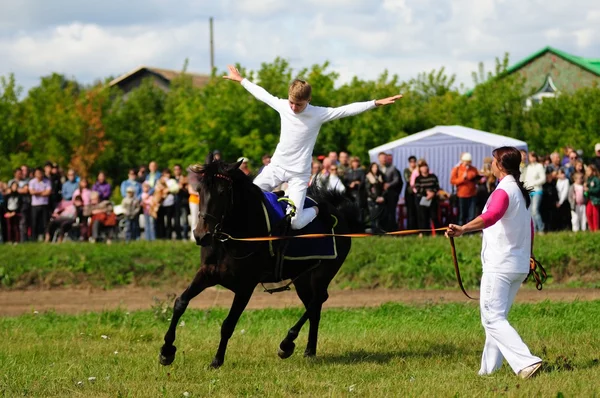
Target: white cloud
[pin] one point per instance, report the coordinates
(359, 37)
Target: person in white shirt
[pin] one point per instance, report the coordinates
(300, 125)
(534, 178)
(506, 249)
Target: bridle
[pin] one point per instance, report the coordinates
(217, 229)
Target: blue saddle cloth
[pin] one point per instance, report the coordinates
(301, 248)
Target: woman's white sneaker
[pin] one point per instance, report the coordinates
(529, 371)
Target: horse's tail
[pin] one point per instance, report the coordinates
(343, 203)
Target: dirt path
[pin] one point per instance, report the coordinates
(138, 298)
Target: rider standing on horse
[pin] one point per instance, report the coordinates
(300, 125)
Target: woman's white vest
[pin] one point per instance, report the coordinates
(507, 244)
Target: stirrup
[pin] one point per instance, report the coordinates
(290, 204)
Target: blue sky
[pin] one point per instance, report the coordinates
(90, 39)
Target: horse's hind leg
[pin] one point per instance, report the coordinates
(287, 346)
(237, 307)
(201, 281)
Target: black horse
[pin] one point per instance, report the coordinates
(230, 203)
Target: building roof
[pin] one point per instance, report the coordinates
(458, 132)
(589, 64)
(198, 80)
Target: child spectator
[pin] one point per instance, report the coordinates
(149, 209)
(562, 206)
(131, 209)
(577, 202)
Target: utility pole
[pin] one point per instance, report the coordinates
(212, 47)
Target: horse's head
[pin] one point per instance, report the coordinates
(214, 184)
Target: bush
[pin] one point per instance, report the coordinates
(388, 262)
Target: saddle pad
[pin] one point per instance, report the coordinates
(301, 248)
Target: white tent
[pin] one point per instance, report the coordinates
(442, 146)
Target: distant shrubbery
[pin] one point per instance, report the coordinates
(410, 263)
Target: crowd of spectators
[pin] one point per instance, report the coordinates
(47, 204)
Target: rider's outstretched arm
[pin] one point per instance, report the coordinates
(356, 108)
(254, 89)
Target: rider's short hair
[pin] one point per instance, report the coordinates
(300, 90)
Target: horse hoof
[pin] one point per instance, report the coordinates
(167, 355)
(216, 363)
(165, 360)
(309, 354)
(286, 350)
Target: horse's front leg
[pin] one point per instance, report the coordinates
(202, 280)
(237, 307)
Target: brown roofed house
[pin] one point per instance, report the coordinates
(161, 77)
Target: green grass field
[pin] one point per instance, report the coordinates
(393, 350)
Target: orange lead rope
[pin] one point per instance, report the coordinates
(457, 270)
(538, 272)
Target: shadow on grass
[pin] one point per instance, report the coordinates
(383, 357)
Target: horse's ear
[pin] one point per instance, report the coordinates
(195, 172)
(235, 165)
(210, 158)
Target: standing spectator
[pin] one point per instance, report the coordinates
(354, 180)
(577, 203)
(182, 209)
(216, 155)
(266, 159)
(333, 157)
(167, 188)
(12, 211)
(315, 172)
(555, 164)
(567, 156)
(596, 160)
(344, 163)
(132, 182)
(376, 203)
(102, 187)
(149, 213)
(485, 185)
(141, 174)
(334, 183)
(569, 167)
(153, 175)
(40, 189)
(391, 190)
(523, 163)
(464, 176)
(25, 220)
(51, 174)
(131, 211)
(533, 179)
(427, 186)
(69, 186)
(592, 189)
(548, 203)
(84, 191)
(579, 167)
(409, 195)
(134, 221)
(562, 206)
